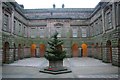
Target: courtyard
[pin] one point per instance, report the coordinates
(90, 38)
(81, 68)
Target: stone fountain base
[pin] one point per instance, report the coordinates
(55, 70)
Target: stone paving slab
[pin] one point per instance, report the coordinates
(86, 62)
(81, 68)
(32, 62)
(98, 76)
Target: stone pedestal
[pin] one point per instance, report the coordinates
(55, 67)
(54, 64)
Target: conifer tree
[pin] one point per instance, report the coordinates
(54, 51)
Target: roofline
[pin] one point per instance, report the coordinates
(95, 10)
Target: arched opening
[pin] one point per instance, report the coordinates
(33, 50)
(5, 52)
(42, 50)
(109, 50)
(75, 50)
(84, 50)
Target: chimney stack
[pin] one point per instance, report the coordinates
(54, 6)
(22, 6)
(63, 5)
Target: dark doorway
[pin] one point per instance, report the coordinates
(19, 51)
(109, 50)
(5, 52)
(75, 50)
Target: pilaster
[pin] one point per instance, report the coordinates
(0, 25)
(12, 21)
(0, 39)
(113, 15)
(103, 19)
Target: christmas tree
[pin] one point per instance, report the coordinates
(54, 51)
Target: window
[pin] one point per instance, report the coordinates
(58, 24)
(24, 30)
(119, 14)
(75, 32)
(19, 28)
(42, 32)
(84, 32)
(33, 30)
(58, 29)
(6, 22)
(92, 30)
(101, 26)
(14, 27)
(109, 22)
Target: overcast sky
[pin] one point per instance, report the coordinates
(31, 4)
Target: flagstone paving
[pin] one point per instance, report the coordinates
(81, 68)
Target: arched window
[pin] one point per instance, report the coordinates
(58, 28)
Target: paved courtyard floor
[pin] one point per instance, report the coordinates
(81, 68)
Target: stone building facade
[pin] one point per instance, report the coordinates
(87, 32)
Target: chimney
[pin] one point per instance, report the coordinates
(54, 6)
(63, 5)
(22, 6)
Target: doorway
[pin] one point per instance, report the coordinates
(5, 52)
(42, 50)
(84, 50)
(75, 50)
(109, 50)
(19, 51)
(33, 50)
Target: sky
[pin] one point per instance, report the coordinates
(33, 4)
